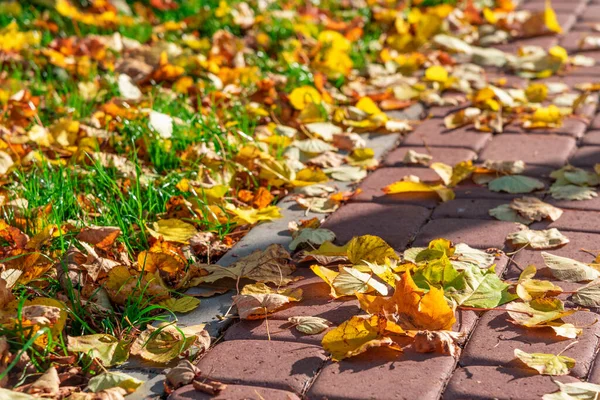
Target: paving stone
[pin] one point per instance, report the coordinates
(446, 155)
(586, 157)
(433, 133)
(500, 383)
(397, 224)
(372, 187)
(573, 41)
(508, 81)
(270, 330)
(383, 374)
(233, 392)
(594, 376)
(470, 190)
(578, 241)
(476, 233)
(590, 14)
(595, 124)
(273, 364)
(442, 111)
(592, 138)
(573, 220)
(575, 7)
(574, 127)
(467, 208)
(570, 80)
(537, 149)
(494, 340)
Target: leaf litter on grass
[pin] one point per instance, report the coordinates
(140, 142)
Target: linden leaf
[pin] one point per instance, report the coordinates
(313, 146)
(529, 289)
(546, 364)
(412, 157)
(528, 316)
(328, 275)
(258, 301)
(181, 305)
(504, 212)
(565, 330)
(369, 248)
(309, 325)
(544, 239)
(311, 237)
(515, 184)
(480, 288)
(569, 270)
(443, 192)
(269, 265)
(350, 281)
(346, 173)
(253, 215)
(550, 19)
(111, 379)
(325, 130)
(534, 209)
(172, 230)
(356, 336)
(167, 342)
(572, 192)
(302, 96)
(104, 347)
(589, 295)
(577, 391)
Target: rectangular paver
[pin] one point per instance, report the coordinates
(532, 148)
(478, 233)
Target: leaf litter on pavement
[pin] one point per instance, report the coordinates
(141, 140)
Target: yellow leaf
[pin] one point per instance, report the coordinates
(546, 364)
(550, 18)
(536, 92)
(173, 230)
(411, 187)
(166, 342)
(367, 105)
(334, 41)
(436, 73)
(421, 311)
(559, 52)
(252, 215)
(303, 96)
(181, 305)
(370, 248)
(328, 275)
(356, 336)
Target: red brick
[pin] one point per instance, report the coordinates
(272, 364)
(591, 14)
(433, 133)
(270, 330)
(500, 383)
(586, 156)
(450, 156)
(397, 224)
(383, 374)
(573, 220)
(573, 41)
(232, 392)
(592, 137)
(578, 241)
(374, 183)
(467, 208)
(538, 149)
(476, 233)
(470, 190)
(574, 7)
(594, 376)
(494, 340)
(442, 111)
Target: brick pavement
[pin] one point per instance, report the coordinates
(294, 366)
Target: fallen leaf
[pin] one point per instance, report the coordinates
(534, 209)
(356, 336)
(574, 391)
(369, 248)
(515, 184)
(443, 342)
(258, 301)
(102, 346)
(504, 212)
(572, 192)
(311, 237)
(443, 192)
(166, 342)
(412, 157)
(182, 374)
(181, 305)
(310, 325)
(111, 379)
(162, 124)
(269, 265)
(128, 90)
(544, 239)
(173, 230)
(544, 312)
(46, 385)
(546, 364)
(569, 270)
(588, 295)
